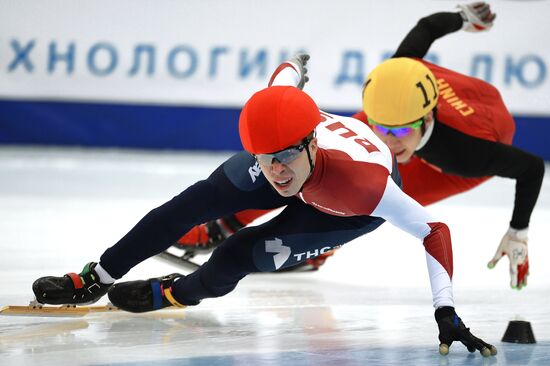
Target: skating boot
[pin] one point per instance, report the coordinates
(206, 237)
(145, 295)
(79, 289)
(201, 239)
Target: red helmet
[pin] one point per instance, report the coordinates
(275, 118)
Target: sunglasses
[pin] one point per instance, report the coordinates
(399, 131)
(285, 156)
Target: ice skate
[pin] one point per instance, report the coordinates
(201, 239)
(71, 289)
(37, 309)
(145, 295)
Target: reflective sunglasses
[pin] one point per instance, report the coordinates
(285, 156)
(398, 131)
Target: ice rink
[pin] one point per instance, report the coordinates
(369, 305)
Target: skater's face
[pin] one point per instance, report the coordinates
(403, 142)
(288, 177)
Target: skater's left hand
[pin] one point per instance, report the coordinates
(514, 245)
(451, 328)
(297, 78)
(300, 60)
(477, 16)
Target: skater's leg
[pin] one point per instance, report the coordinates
(298, 233)
(205, 237)
(232, 187)
(229, 189)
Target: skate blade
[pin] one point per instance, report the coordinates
(35, 309)
(179, 261)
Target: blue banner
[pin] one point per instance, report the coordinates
(165, 127)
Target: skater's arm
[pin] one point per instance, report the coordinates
(404, 212)
(407, 214)
(419, 40)
(472, 17)
(291, 72)
(507, 161)
(483, 158)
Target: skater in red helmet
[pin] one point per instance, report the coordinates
(449, 132)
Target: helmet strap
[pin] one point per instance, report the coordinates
(311, 165)
(427, 133)
(423, 127)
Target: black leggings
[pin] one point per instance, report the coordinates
(299, 232)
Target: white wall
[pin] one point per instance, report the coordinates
(85, 50)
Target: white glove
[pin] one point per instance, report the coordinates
(514, 245)
(300, 60)
(477, 16)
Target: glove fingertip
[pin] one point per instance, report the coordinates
(490, 350)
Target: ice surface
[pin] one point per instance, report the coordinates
(369, 305)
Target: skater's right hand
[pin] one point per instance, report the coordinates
(451, 328)
(514, 245)
(477, 16)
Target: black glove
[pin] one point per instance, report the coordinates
(451, 328)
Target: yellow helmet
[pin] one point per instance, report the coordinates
(399, 91)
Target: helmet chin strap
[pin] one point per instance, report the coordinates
(426, 132)
(311, 165)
